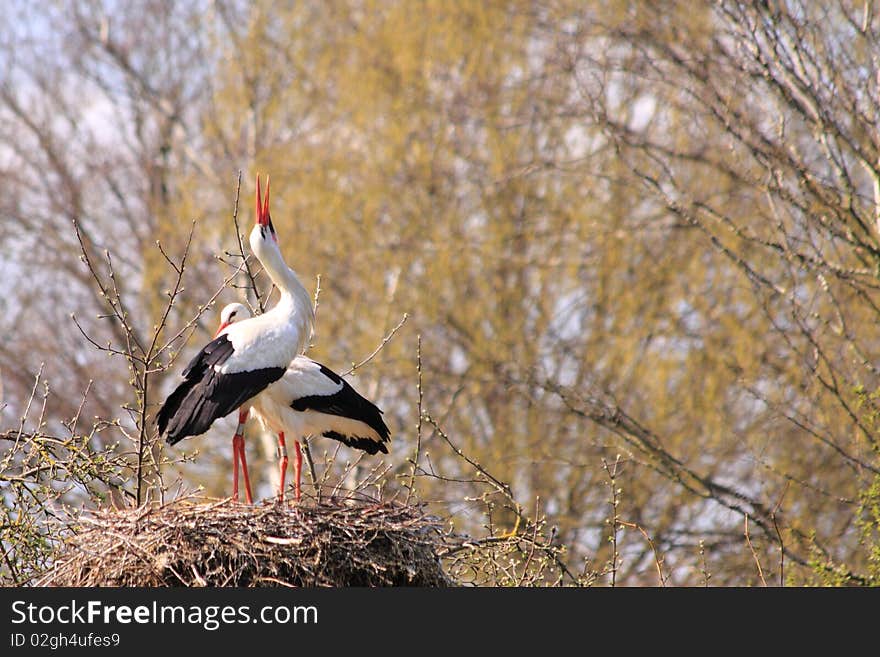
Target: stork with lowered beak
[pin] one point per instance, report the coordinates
(311, 400)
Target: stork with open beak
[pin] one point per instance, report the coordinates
(244, 358)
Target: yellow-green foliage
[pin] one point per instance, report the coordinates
(636, 203)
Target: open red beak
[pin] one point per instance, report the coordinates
(263, 218)
(222, 326)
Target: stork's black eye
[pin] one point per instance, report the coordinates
(232, 314)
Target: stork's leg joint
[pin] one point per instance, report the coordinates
(242, 419)
(282, 465)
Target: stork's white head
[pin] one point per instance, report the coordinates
(234, 312)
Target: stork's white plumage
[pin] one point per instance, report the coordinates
(245, 358)
(312, 400)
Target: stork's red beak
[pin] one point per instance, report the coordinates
(263, 217)
(222, 326)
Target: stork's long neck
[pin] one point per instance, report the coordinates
(295, 299)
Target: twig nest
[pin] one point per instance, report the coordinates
(351, 542)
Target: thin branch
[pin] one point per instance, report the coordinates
(261, 305)
(754, 553)
(415, 459)
(375, 351)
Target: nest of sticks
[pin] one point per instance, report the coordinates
(351, 542)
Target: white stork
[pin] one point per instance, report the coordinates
(241, 361)
(311, 400)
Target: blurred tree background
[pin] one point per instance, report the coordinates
(640, 243)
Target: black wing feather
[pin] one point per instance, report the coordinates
(368, 445)
(349, 403)
(205, 395)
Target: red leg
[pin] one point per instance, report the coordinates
(297, 467)
(239, 455)
(282, 465)
(235, 467)
(247, 482)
